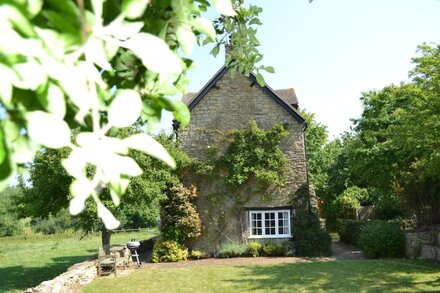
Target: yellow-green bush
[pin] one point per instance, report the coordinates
(168, 251)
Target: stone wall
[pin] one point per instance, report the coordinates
(231, 105)
(424, 245)
(76, 277)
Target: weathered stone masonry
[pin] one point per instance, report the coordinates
(232, 104)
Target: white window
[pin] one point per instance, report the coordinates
(269, 224)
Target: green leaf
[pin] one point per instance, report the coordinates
(269, 69)
(145, 143)
(186, 38)
(95, 52)
(6, 168)
(81, 190)
(56, 103)
(48, 129)
(117, 189)
(97, 9)
(76, 163)
(125, 109)
(134, 8)
(123, 30)
(6, 85)
(6, 173)
(125, 165)
(179, 109)
(24, 149)
(33, 7)
(107, 217)
(204, 26)
(224, 7)
(215, 50)
(3, 148)
(154, 53)
(31, 75)
(18, 20)
(260, 80)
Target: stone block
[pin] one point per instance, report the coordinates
(429, 252)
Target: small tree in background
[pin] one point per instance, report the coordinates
(180, 220)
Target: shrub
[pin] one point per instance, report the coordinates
(380, 239)
(232, 249)
(254, 248)
(387, 207)
(269, 248)
(180, 220)
(349, 231)
(168, 251)
(198, 254)
(309, 238)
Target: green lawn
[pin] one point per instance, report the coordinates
(27, 262)
(339, 276)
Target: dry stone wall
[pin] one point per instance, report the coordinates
(76, 277)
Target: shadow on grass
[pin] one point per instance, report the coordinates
(18, 278)
(342, 276)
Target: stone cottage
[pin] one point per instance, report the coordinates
(227, 103)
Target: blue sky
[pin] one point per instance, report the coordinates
(332, 50)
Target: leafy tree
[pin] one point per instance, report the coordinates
(9, 220)
(180, 220)
(139, 204)
(394, 149)
(61, 58)
(318, 158)
(53, 224)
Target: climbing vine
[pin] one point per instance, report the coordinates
(252, 153)
(247, 162)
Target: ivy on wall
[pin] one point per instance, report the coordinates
(247, 162)
(252, 153)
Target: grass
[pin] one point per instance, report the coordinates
(340, 276)
(26, 262)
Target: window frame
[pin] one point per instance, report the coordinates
(263, 224)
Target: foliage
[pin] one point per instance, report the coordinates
(43, 257)
(283, 248)
(270, 248)
(232, 249)
(349, 231)
(345, 205)
(251, 153)
(256, 152)
(61, 58)
(168, 251)
(394, 148)
(239, 35)
(254, 248)
(319, 158)
(198, 254)
(47, 191)
(54, 224)
(380, 239)
(9, 219)
(388, 207)
(309, 238)
(180, 220)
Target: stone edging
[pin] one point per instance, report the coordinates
(76, 277)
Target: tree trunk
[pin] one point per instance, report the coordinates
(105, 237)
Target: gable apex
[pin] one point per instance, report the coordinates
(286, 98)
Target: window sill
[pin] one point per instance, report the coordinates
(269, 236)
